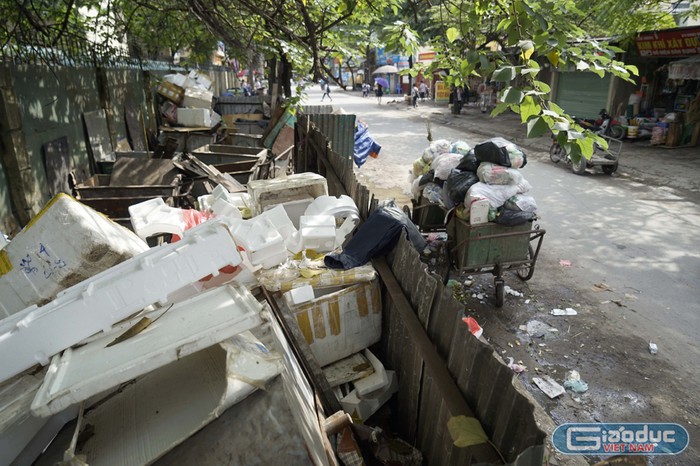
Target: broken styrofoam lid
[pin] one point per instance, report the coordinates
(153, 216)
(341, 207)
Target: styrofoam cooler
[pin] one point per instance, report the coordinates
(66, 243)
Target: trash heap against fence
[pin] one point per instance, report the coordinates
(188, 100)
(482, 184)
(96, 318)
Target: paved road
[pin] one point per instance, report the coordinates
(639, 239)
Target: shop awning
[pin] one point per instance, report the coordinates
(688, 68)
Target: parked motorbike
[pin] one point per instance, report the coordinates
(603, 126)
(607, 160)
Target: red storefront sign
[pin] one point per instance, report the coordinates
(676, 43)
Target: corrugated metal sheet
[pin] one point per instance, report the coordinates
(340, 131)
(230, 105)
(316, 109)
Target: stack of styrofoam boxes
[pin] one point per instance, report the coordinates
(294, 192)
(194, 100)
(66, 243)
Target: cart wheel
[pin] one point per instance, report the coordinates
(500, 292)
(580, 167)
(526, 274)
(609, 169)
(555, 153)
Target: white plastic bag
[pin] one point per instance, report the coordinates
(521, 202)
(491, 173)
(444, 164)
(460, 147)
(438, 147)
(496, 194)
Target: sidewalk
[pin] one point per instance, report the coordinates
(677, 168)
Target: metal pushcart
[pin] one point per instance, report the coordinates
(426, 215)
(493, 248)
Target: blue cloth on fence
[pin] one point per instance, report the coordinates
(364, 144)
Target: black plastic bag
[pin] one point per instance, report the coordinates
(512, 218)
(469, 162)
(458, 183)
(427, 178)
(501, 152)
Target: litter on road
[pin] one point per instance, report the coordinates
(549, 386)
(569, 311)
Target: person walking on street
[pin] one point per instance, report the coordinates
(414, 96)
(326, 92)
(423, 91)
(379, 93)
(365, 89)
(486, 91)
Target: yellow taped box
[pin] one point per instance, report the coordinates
(341, 323)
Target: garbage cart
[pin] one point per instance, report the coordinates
(493, 248)
(426, 215)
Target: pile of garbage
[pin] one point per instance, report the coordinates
(188, 100)
(99, 322)
(482, 184)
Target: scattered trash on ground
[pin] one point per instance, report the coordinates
(513, 292)
(574, 383)
(550, 387)
(569, 311)
(538, 329)
(565, 263)
(601, 287)
(516, 367)
(474, 326)
(653, 349)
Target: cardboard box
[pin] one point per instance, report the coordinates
(171, 91)
(341, 323)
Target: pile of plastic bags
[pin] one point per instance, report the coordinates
(453, 175)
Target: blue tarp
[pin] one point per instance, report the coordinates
(364, 144)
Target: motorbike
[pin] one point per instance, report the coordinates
(607, 159)
(603, 126)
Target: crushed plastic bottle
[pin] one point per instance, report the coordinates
(653, 349)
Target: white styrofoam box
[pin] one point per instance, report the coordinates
(37, 333)
(200, 79)
(215, 118)
(187, 327)
(194, 117)
(261, 241)
(281, 221)
(222, 207)
(299, 186)
(299, 295)
(177, 79)
(341, 323)
(3, 240)
(362, 407)
(153, 217)
(196, 98)
(479, 212)
(22, 436)
(66, 243)
(318, 232)
(240, 200)
(164, 407)
(376, 380)
(340, 207)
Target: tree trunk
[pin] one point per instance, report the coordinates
(286, 76)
